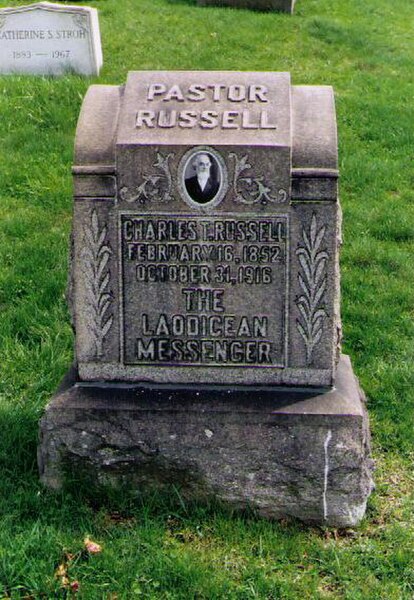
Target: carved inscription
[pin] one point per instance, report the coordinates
(204, 291)
(256, 117)
(39, 42)
(12, 35)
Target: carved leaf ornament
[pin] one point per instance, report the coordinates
(95, 254)
(313, 283)
(155, 186)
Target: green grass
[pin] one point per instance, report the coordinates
(165, 549)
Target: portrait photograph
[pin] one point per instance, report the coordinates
(202, 176)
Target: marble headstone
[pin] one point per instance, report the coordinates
(206, 231)
(50, 39)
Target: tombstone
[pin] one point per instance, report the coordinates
(204, 295)
(267, 5)
(50, 39)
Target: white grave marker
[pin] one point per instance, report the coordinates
(50, 39)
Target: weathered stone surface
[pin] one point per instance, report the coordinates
(204, 287)
(284, 453)
(50, 39)
(238, 284)
(278, 5)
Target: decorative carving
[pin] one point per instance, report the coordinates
(313, 282)
(2, 22)
(155, 187)
(252, 190)
(81, 21)
(95, 254)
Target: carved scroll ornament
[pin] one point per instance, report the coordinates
(155, 187)
(251, 189)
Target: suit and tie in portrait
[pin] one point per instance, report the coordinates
(203, 186)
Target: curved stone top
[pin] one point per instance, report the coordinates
(97, 126)
(313, 128)
(51, 6)
(314, 134)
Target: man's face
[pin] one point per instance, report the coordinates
(202, 164)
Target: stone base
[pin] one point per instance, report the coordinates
(283, 452)
(279, 5)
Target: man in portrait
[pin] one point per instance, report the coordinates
(204, 185)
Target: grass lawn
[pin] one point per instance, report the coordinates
(162, 548)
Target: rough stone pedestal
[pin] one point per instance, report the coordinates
(279, 5)
(284, 453)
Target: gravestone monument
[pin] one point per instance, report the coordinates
(204, 294)
(50, 39)
(267, 5)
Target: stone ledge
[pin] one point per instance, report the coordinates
(284, 453)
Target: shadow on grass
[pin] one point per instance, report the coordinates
(354, 37)
(183, 2)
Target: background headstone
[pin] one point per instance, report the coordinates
(50, 39)
(278, 5)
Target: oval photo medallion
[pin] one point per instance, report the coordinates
(202, 177)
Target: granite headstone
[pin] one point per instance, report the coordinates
(50, 39)
(204, 294)
(236, 283)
